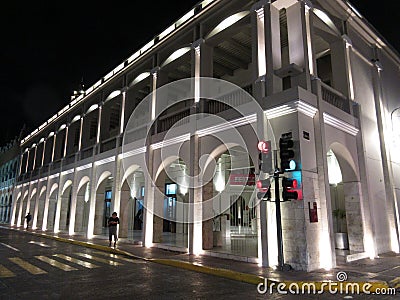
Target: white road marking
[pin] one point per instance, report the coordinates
(8, 246)
(39, 244)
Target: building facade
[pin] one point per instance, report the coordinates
(9, 159)
(317, 72)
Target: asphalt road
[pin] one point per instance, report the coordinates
(39, 268)
(33, 267)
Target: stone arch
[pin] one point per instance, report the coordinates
(139, 78)
(131, 201)
(129, 171)
(103, 201)
(24, 202)
(230, 216)
(227, 22)
(65, 205)
(41, 204)
(67, 184)
(346, 199)
(48, 222)
(170, 210)
(112, 95)
(82, 205)
(164, 164)
(84, 180)
(30, 207)
(102, 177)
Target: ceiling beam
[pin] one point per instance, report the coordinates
(231, 58)
(223, 69)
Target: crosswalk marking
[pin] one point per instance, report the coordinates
(56, 264)
(111, 255)
(5, 273)
(110, 262)
(76, 261)
(27, 266)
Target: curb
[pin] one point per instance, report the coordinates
(225, 273)
(260, 281)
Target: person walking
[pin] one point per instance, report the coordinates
(113, 221)
(28, 218)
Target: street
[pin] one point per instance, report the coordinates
(38, 268)
(35, 267)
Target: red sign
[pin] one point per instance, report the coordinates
(242, 179)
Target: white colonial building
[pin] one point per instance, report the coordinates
(316, 69)
(9, 159)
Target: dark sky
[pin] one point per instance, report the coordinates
(46, 48)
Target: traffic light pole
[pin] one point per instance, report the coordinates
(278, 214)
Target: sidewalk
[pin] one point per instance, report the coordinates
(381, 272)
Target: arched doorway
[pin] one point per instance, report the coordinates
(41, 204)
(65, 212)
(82, 207)
(337, 202)
(346, 197)
(171, 205)
(235, 227)
(104, 197)
(51, 210)
(132, 210)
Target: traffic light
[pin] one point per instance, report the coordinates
(286, 154)
(264, 189)
(289, 186)
(265, 157)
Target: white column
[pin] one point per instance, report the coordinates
(266, 48)
(298, 43)
(195, 194)
(72, 214)
(121, 126)
(391, 201)
(34, 159)
(66, 141)
(149, 191)
(92, 202)
(27, 161)
(58, 207)
(20, 163)
(44, 151)
(36, 209)
(80, 134)
(14, 208)
(54, 147)
(99, 125)
(46, 205)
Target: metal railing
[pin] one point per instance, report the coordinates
(164, 123)
(108, 145)
(70, 159)
(56, 164)
(86, 153)
(335, 98)
(227, 101)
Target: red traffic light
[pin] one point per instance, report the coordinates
(264, 146)
(289, 183)
(263, 184)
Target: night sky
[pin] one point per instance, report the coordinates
(46, 48)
